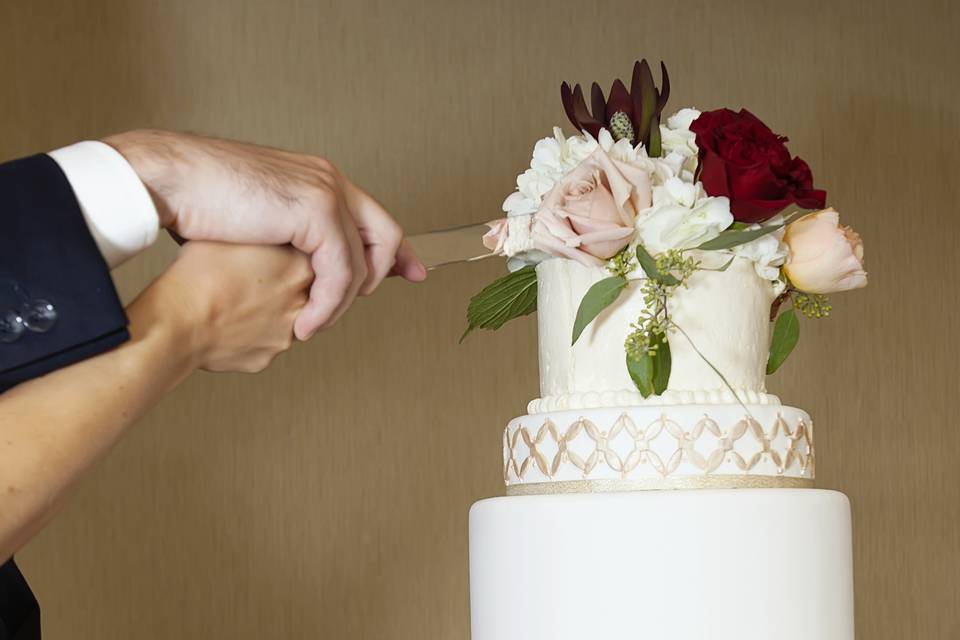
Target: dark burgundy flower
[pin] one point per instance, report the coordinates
(633, 114)
(742, 159)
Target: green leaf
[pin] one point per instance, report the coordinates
(641, 372)
(661, 367)
(600, 296)
(506, 298)
(727, 264)
(786, 332)
(649, 266)
(723, 267)
(735, 237)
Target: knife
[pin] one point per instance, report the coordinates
(440, 247)
(451, 246)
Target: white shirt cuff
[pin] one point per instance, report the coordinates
(115, 203)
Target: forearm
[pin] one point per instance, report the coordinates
(54, 428)
(158, 158)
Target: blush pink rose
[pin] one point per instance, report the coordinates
(589, 215)
(824, 257)
(497, 235)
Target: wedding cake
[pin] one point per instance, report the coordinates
(655, 489)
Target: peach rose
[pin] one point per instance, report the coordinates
(824, 257)
(589, 215)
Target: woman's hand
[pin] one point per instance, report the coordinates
(234, 306)
(218, 307)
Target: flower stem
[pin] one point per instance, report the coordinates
(715, 370)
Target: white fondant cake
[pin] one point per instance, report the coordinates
(745, 564)
(688, 515)
(654, 488)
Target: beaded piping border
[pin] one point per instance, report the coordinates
(640, 466)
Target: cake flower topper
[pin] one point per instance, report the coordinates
(651, 203)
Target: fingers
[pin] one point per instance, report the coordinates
(301, 276)
(322, 237)
(385, 250)
(359, 270)
(354, 244)
(408, 265)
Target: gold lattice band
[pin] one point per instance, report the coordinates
(653, 484)
(633, 452)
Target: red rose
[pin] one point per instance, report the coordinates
(740, 158)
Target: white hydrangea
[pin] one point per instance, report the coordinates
(677, 140)
(683, 216)
(768, 253)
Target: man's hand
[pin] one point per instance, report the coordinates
(208, 189)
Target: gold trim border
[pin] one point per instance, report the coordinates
(799, 448)
(656, 484)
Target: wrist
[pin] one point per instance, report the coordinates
(170, 325)
(152, 154)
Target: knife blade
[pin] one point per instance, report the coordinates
(451, 246)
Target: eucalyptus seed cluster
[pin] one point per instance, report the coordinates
(622, 263)
(647, 335)
(679, 267)
(812, 305)
(650, 329)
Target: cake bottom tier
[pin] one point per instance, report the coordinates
(739, 564)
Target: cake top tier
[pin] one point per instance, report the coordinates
(665, 252)
(725, 320)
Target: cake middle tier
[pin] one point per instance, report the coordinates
(665, 447)
(724, 314)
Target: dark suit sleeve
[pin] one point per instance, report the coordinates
(48, 254)
(19, 611)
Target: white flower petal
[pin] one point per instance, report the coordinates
(517, 204)
(683, 119)
(767, 252)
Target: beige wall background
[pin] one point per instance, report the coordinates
(328, 497)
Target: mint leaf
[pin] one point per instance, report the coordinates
(649, 266)
(641, 372)
(598, 297)
(735, 237)
(661, 367)
(786, 332)
(506, 298)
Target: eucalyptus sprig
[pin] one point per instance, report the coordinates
(647, 346)
(603, 293)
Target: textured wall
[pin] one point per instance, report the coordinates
(328, 497)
